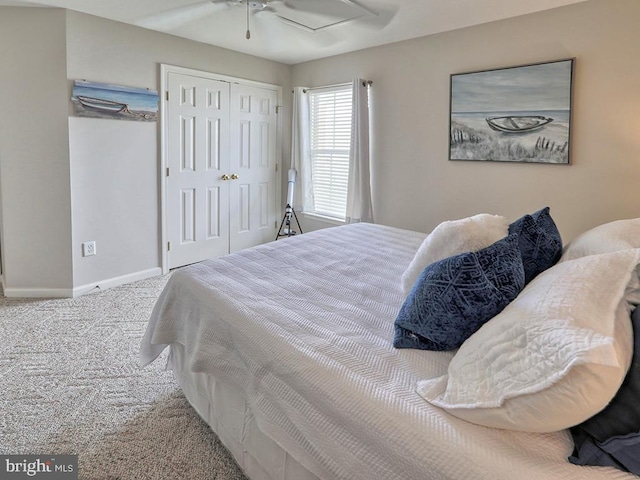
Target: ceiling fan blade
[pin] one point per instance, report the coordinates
(383, 17)
(176, 17)
(332, 8)
(267, 29)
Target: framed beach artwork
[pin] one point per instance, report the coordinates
(515, 114)
(104, 100)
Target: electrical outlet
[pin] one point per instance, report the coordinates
(88, 249)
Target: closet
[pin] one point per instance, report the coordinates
(219, 149)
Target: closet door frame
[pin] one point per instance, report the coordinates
(163, 164)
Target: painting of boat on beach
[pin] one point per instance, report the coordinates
(516, 114)
(103, 100)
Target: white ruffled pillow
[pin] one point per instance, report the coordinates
(608, 237)
(453, 237)
(553, 357)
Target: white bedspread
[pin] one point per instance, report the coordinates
(304, 327)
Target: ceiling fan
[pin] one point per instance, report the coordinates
(252, 6)
(310, 15)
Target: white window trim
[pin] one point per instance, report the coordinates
(325, 214)
(324, 218)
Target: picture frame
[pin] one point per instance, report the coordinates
(515, 114)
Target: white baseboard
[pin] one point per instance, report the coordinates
(114, 282)
(83, 289)
(38, 292)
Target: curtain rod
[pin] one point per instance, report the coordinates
(365, 83)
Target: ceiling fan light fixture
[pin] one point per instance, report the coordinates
(251, 4)
(257, 5)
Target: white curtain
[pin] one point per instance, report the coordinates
(359, 206)
(300, 151)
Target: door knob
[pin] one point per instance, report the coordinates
(234, 176)
(224, 177)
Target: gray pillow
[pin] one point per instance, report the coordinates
(612, 437)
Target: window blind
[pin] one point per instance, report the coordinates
(330, 141)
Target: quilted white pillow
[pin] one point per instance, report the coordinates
(608, 237)
(453, 237)
(553, 357)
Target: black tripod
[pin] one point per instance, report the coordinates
(285, 226)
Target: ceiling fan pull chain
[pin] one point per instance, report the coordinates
(248, 31)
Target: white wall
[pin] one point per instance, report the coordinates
(416, 187)
(65, 180)
(114, 185)
(115, 164)
(34, 153)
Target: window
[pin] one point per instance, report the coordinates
(330, 141)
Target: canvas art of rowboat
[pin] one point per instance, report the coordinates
(518, 123)
(102, 104)
(114, 102)
(514, 114)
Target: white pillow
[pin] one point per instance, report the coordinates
(553, 357)
(453, 237)
(609, 237)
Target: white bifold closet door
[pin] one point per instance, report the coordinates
(221, 158)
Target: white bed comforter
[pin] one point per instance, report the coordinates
(304, 327)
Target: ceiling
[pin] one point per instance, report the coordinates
(274, 33)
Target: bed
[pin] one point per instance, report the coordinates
(286, 351)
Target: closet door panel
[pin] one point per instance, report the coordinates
(252, 165)
(197, 194)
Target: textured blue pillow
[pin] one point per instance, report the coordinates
(612, 437)
(539, 240)
(454, 297)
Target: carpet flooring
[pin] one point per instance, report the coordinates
(70, 383)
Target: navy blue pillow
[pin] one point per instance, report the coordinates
(612, 437)
(454, 297)
(539, 240)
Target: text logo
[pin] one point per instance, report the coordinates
(45, 467)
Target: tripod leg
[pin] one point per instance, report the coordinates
(281, 225)
(296, 217)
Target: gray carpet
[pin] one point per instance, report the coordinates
(70, 383)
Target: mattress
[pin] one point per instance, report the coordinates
(301, 331)
(225, 409)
